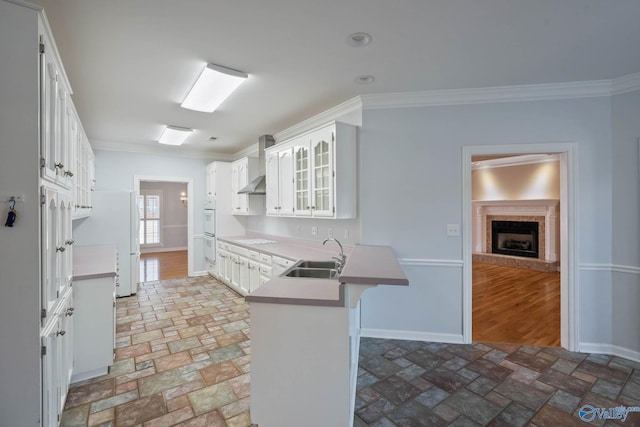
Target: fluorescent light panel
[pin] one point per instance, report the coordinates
(213, 86)
(174, 135)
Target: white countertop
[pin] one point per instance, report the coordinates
(93, 262)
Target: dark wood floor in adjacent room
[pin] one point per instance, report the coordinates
(513, 305)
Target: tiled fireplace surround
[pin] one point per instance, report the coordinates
(545, 212)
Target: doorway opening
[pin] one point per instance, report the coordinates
(518, 284)
(166, 227)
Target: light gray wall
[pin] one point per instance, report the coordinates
(412, 187)
(345, 230)
(115, 171)
(626, 221)
(19, 254)
(173, 214)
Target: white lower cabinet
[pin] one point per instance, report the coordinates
(242, 269)
(95, 314)
(57, 359)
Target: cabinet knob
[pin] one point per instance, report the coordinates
(60, 333)
(60, 249)
(69, 242)
(68, 173)
(69, 311)
(59, 166)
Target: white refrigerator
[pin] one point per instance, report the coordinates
(114, 220)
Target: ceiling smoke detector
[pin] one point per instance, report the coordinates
(359, 39)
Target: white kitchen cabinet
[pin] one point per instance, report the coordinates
(84, 178)
(244, 270)
(94, 292)
(253, 279)
(279, 169)
(243, 171)
(41, 126)
(323, 174)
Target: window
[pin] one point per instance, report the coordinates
(149, 206)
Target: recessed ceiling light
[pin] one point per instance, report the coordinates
(365, 79)
(174, 135)
(359, 39)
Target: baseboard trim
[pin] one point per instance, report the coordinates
(156, 250)
(411, 335)
(200, 273)
(614, 350)
(614, 268)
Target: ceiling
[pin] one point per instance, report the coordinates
(132, 62)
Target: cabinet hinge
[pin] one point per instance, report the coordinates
(43, 313)
(114, 304)
(41, 47)
(334, 209)
(43, 350)
(334, 174)
(43, 162)
(333, 137)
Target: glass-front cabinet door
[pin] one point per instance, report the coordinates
(301, 164)
(322, 173)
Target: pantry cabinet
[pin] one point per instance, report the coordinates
(42, 130)
(323, 173)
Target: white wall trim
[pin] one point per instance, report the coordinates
(625, 84)
(160, 149)
(536, 92)
(175, 226)
(353, 104)
(411, 335)
(153, 250)
(200, 273)
(525, 159)
(424, 262)
(615, 350)
(614, 268)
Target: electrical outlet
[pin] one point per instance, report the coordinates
(314, 230)
(453, 229)
(329, 232)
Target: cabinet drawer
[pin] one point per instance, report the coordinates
(254, 255)
(239, 250)
(265, 258)
(264, 270)
(284, 262)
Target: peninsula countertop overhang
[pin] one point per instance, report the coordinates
(366, 265)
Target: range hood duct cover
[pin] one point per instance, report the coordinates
(259, 184)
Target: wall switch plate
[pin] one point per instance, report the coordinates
(453, 229)
(314, 230)
(329, 232)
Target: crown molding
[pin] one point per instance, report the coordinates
(178, 151)
(525, 159)
(624, 84)
(538, 92)
(334, 113)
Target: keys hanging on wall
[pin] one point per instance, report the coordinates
(12, 215)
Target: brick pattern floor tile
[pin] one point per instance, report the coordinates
(183, 353)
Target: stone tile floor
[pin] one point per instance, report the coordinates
(182, 359)
(411, 384)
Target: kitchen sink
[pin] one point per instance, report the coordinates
(315, 273)
(318, 264)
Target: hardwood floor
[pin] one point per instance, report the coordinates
(512, 305)
(163, 266)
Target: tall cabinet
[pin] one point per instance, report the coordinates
(40, 138)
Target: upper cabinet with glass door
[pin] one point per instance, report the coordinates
(324, 172)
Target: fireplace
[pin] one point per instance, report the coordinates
(519, 238)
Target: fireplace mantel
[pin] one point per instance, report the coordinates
(546, 212)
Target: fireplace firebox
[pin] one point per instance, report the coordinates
(518, 238)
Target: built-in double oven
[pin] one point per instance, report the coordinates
(210, 229)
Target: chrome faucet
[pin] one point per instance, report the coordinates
(343, 258)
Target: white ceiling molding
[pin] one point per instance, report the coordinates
(525, 159)
(625, 84)
(175, 151)
(347, 107)
(538, 92)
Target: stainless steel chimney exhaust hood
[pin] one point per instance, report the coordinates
(259, 184)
